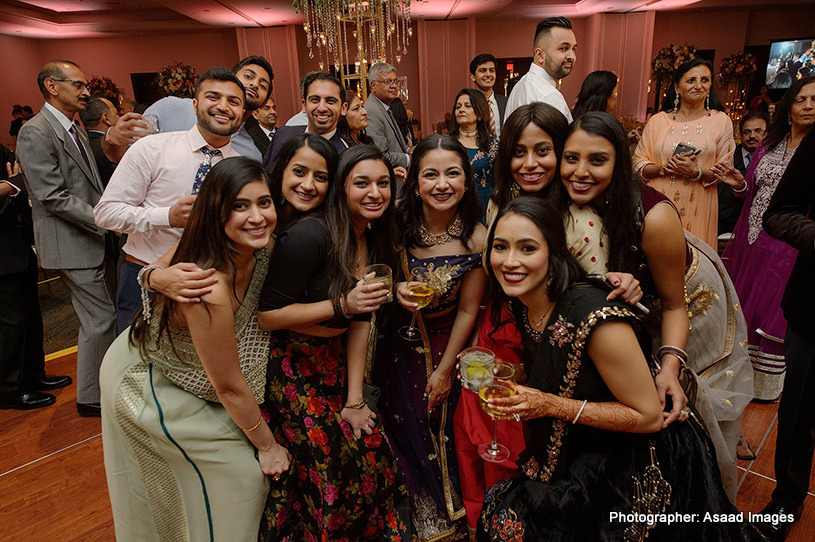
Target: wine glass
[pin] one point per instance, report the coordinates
(382, 274)
(422, 296)
(492, 451)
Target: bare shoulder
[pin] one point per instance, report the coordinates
(479, 238)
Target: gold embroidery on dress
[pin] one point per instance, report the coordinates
(439, 278)
(545, 472)
(701, 299)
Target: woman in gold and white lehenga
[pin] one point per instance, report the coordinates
(187, 453)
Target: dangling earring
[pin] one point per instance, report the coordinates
(676, 105)
(707, 104)
(789, 120)
(416, 191)
(549, 280)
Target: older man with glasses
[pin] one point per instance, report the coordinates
(382, 127)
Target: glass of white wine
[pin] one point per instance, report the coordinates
(422, 296)
(493, 451)
(381, 274)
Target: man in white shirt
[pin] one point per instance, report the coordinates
(482, 74)
(152, 190)
(553, 59)
(255, 74)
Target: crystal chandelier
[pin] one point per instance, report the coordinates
(379, 31)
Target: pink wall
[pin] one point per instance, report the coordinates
(20, 61)
(115, 57)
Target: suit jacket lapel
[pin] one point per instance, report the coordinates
(395, 127)
(72, 150)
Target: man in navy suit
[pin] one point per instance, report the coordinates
(482, 74)
(324, 101)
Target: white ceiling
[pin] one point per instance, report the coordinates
(95, 18)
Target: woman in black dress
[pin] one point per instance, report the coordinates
(595, 453)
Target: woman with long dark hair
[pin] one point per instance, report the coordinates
(528, 159)
(695, 318)
(681, 144)
(187, 453)
(344, 482)
(438, 215)
(470, 125)
(599, 463)
(759, 265)
(598, 93)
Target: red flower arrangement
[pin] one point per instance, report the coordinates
(104, 87)
(737, 68)
(668, 59)
(177, 80)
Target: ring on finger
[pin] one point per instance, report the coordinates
(685, 412)
(517, 417)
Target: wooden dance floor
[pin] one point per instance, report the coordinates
(52, 476)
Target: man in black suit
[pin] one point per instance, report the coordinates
(262, 125)
(22, 359)
(482, 74)
(753, 128)
(324, 101)
(99, 115)
(791, 219)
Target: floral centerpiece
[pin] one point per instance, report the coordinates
(177, 80)
(668, 59)
(105, 87)
(737, 68)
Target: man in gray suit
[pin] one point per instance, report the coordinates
(63, 183)
(382, 127)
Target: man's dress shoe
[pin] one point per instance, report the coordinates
(52, 382)
(776, 531)
(89, 410)
(26, 400)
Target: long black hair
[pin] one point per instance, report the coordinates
(281, 161)
(545, 117)
(595, 92)
(409, 209)
(781, 125)
(380, 235)
(204, 241)
(481, 107)
(620, 213)
(670, 96)
(563, 268)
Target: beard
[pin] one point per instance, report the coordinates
(207, 122)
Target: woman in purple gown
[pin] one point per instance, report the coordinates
(438, 216)
(758, 264)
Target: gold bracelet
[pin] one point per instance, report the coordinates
(357, 406)
(253, 428)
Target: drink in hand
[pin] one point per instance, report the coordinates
(493, 391)
(422, 294)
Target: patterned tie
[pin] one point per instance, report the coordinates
(749, 159)
(492, 123)
(79, 144)
(204, 168)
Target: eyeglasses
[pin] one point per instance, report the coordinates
(80, 85)
(388, 82)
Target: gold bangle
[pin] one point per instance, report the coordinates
(357, 406)
(253, 428)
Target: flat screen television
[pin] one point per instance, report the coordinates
(790, 60)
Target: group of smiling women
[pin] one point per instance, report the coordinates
(239, 403)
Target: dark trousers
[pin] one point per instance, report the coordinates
(22, 359)
(796, 422)
(128, 294)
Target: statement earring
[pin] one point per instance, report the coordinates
(416, 191)
(707, 104)
(789, 120)
(676, 105)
